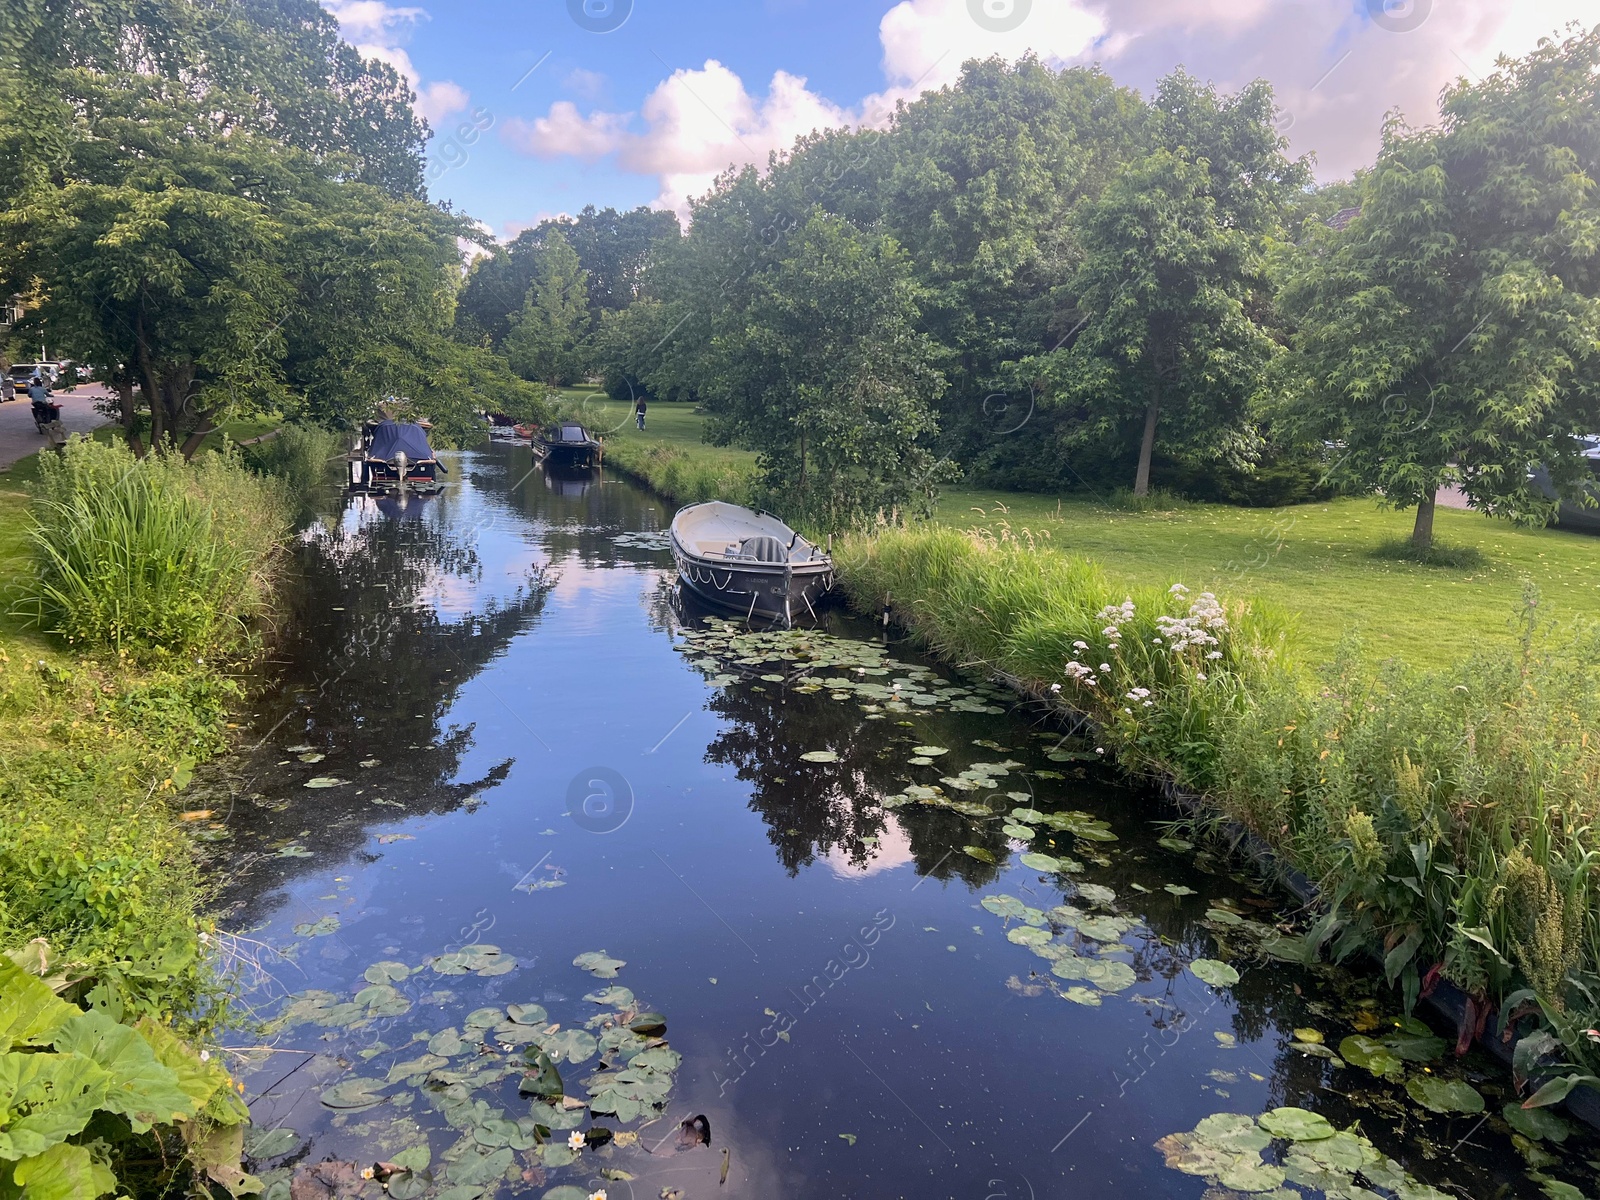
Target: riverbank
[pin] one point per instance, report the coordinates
(1329, 567)
(115, 684)
(1446, 817)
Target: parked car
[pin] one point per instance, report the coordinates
(1570, 515)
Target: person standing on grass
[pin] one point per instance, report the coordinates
(638, 412)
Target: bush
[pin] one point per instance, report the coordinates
(299, 455)
(152, 556)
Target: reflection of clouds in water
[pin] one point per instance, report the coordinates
(452, 595)
(584, 591)
(893, 850)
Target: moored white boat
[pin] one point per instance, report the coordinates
(748, 561)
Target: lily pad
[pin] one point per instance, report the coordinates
(1538, 1123)
(1021, 832)
(1372, 1055)
(1297, 1124)
(820, 756)
(1175, 844)
(354, 1095)
(1444, 1095)
(1027, 935)
(1217, 974)
(1041, 862)
(599, 964)
(321, 927)
(1177, 889)
(1082, 995)
(615, 996)
(527, 1014)
(1222, 916)
(386, 972)
(1003, 906)
(324, 781)
(979, 853)
(930, 751)
(1234, 1132)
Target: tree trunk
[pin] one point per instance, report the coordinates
(147, 380)
(1141, 479)
(192, 442)
(129, 415)
(1422, 531)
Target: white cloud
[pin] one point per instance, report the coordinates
(1337, 67)
(565, 131)
(379, 30)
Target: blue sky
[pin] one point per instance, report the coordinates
(539, 109)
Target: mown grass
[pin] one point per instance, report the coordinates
(1449, 817)
(1329, 566)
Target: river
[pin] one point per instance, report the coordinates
(495, 745)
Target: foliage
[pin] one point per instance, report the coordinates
(298, 454)
(1448, 333)
(1173, 283)
(221, 205)
(65, 1071)
(1448, 816)
(152, 557)
(546, 335)
(828, 380)
(614, 248)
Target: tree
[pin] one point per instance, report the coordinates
(1449, 333)
(827, 378)
(547, 335)
(1171, 342)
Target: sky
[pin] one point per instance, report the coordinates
(542, 106)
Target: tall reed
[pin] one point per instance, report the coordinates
(152, 556)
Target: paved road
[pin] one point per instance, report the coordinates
(19, 438)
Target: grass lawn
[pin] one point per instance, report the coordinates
(674, 425)
(1316, 561)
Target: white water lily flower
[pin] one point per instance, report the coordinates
(600, 1195)
(574, 1140)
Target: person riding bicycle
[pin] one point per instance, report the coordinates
(638, 412)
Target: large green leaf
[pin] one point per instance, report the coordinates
(199, 1079)
(30, 1012)
(63, 1173)
(45, 1099)
(141, 1088)
(1444, 1095)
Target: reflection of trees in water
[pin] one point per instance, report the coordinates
(369, 672)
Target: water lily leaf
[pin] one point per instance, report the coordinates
(321, 927)
(1082, 995)
(919, 761)
(1102, 928)
(1444, 1095)
(324, 781)
(573, 1045)
(262, 1144)
(1372, 1055)
(556, 1117)
(820, 756)
(1217, 974)
(386, 972)
(615, 996)
(1175, 844)
(383, 1000)
(1027, 935)
(1308, 1035)
(1410, 1045)
(1245, 1175)
(1021, 832)
(294, 850)
(1097, 894)
(1538, 1123)
(417, 1066)
(1222, 916)
(1233, 1132)
(599, 964)
(527, 1014)
(354, 1095)
(1109, 976)
(311, 757)
(1177, 889)
(447, 1042)
(475, 1170)
(658, 1058)
(1041, 862)
(979, 853)
(566, 1192)
(1027, 816)
(1003, 906)
(1296, 1124)
(930, 751)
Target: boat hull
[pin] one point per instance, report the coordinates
(777, 591)
(564, 454)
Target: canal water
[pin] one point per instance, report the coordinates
(514, 825)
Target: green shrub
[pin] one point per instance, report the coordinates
(152, 556)
(299, 455)
(680, 476)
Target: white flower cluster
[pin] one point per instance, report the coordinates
(1205, 615)
(1115, 616)
(1142, 695)
(1079, 673)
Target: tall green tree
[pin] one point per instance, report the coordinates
(547, 336)
(1451, 332)
(828, 379)
(1172, 343)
